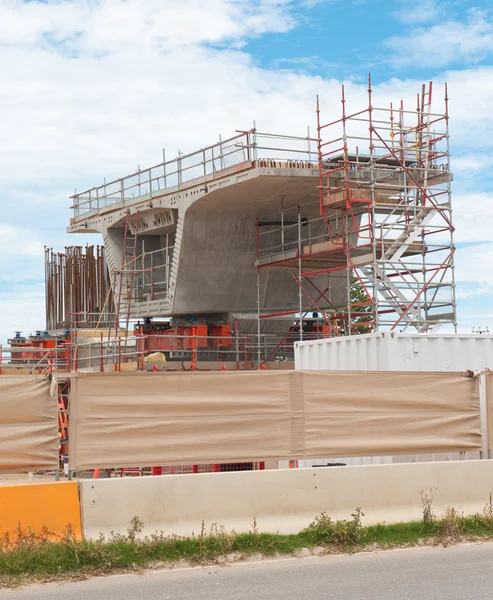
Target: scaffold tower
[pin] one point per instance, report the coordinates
(384, 221)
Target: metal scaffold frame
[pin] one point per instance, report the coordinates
(384, 221)
(144, 274)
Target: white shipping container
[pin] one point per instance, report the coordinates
(392, 351)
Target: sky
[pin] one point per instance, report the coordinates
(90, 89)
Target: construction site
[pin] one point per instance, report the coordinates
(234, 256)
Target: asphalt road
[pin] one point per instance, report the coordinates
(457, 573)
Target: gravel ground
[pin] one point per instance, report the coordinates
(24, 478)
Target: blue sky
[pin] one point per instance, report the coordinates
(350, 39)
(92, 88)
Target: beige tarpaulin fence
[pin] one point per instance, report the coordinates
(28, 424)
(144, 419)
(370, 414)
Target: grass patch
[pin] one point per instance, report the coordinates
(30, 556)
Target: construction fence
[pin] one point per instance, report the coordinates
(29, 438)
(136, 419)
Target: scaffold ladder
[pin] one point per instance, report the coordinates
(128, 268)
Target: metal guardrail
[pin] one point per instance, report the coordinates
(246, 147)
(238, 352)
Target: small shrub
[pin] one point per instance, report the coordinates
(341, 534)
(254, 527)
(136, 527)
(427, 501)
(451, 527)
(488, 509)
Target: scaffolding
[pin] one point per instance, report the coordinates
(145, 271)
(383, 221)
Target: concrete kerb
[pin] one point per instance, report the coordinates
(283, 501)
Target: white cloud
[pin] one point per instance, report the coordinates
(419, 11)
(312, 3)
(473, 164)
(102, 26)
(474, 264)
(446, 42)
(21, 310)
(142, 79)
(18, 241)
(71, 121)
(473, 217)
(21, 256)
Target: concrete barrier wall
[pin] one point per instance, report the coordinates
(51, 506)
(281, 500)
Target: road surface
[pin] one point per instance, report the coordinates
(457, 573)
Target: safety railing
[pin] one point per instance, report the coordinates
(233, 351)
(187, 352)
(210, 162)
(300, 230)
(29, 360)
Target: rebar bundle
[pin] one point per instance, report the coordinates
(78, 288)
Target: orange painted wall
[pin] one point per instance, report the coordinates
(37, 506)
